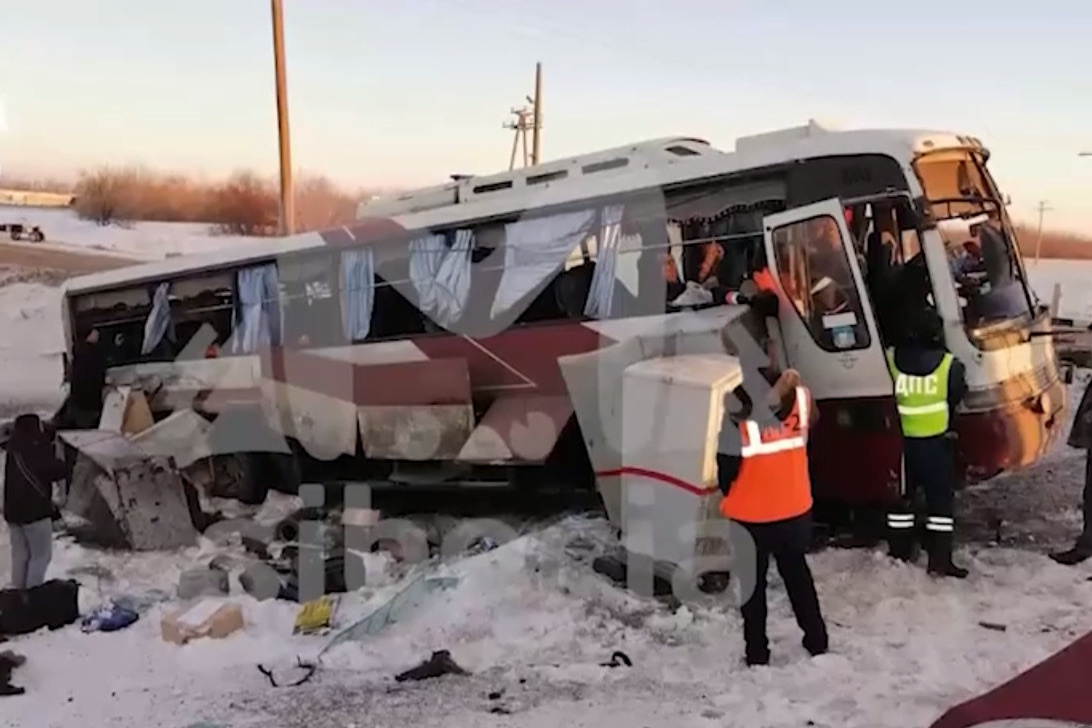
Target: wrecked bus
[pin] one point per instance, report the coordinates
(478, 332)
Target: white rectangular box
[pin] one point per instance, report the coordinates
(672, 410)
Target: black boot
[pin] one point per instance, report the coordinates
(1081, 551)
(902, 543)
(940, 556)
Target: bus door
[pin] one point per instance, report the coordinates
(830, 336)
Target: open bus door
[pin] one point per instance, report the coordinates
(829, 334)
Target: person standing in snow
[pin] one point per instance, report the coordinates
(762, 470)
(30, 469)
(1081, 437)
(929, 383)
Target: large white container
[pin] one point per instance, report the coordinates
(672, 408)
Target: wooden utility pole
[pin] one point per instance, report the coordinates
(1043, 208)
(288, 207)
(536, 133)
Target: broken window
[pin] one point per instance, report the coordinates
(312, 315)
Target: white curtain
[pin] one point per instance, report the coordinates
(452, 290)
(534, 250)
(259, 302)
(601, 294)
(441, 275)
(426, 255)
(357, 292)
(159, 319)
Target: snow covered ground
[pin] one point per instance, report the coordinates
(533, 622)
(145, 239)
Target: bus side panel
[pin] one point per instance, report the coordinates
(855, 452)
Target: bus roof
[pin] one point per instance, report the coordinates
(643, 165)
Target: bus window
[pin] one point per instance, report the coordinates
(312, 313)
(814, 267)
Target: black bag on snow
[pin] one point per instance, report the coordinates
(54, 604)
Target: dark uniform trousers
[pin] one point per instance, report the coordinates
(930, 468)
(787, 542)
(1085, 539)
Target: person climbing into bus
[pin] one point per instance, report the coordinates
(87, 381)
(762, 471)
(1081, 437)
(929, 384)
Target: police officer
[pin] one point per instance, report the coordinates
(762, 470)
(929, 383)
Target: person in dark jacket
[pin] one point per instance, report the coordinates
(929, 384)
(87, 381)
(1080, 437)
(30, 469)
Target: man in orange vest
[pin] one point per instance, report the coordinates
(762, 469)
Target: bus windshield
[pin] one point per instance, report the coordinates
(979, 239)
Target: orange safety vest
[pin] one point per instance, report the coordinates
(773, 482)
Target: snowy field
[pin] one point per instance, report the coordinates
(532, 622)
(151, 239)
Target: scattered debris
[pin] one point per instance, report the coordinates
(316, 615)
(309, 669)
(207, 618)
(54, 604)
(994, 626)
(618, 659)
(207, 581)
(109, 618)
(396, 608)
(441, 663)
(8, 662)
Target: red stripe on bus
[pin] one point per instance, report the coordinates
(654, 475)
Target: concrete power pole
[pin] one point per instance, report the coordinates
(1043, 208)
(288, 207)
(528, 121)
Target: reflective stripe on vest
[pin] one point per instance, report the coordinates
(773, 482)
(922, 400)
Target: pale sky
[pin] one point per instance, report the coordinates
(405, 92)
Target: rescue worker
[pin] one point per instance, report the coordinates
(929, 383)
(1081, 437)
(762, 470)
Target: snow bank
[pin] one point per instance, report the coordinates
(31, 343)
(1073, 276)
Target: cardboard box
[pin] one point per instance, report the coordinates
(205, 618)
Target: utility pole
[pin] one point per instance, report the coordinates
(1043, 208)
(288, 211)
(536, 145)
(520, 126)
(528, 120)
